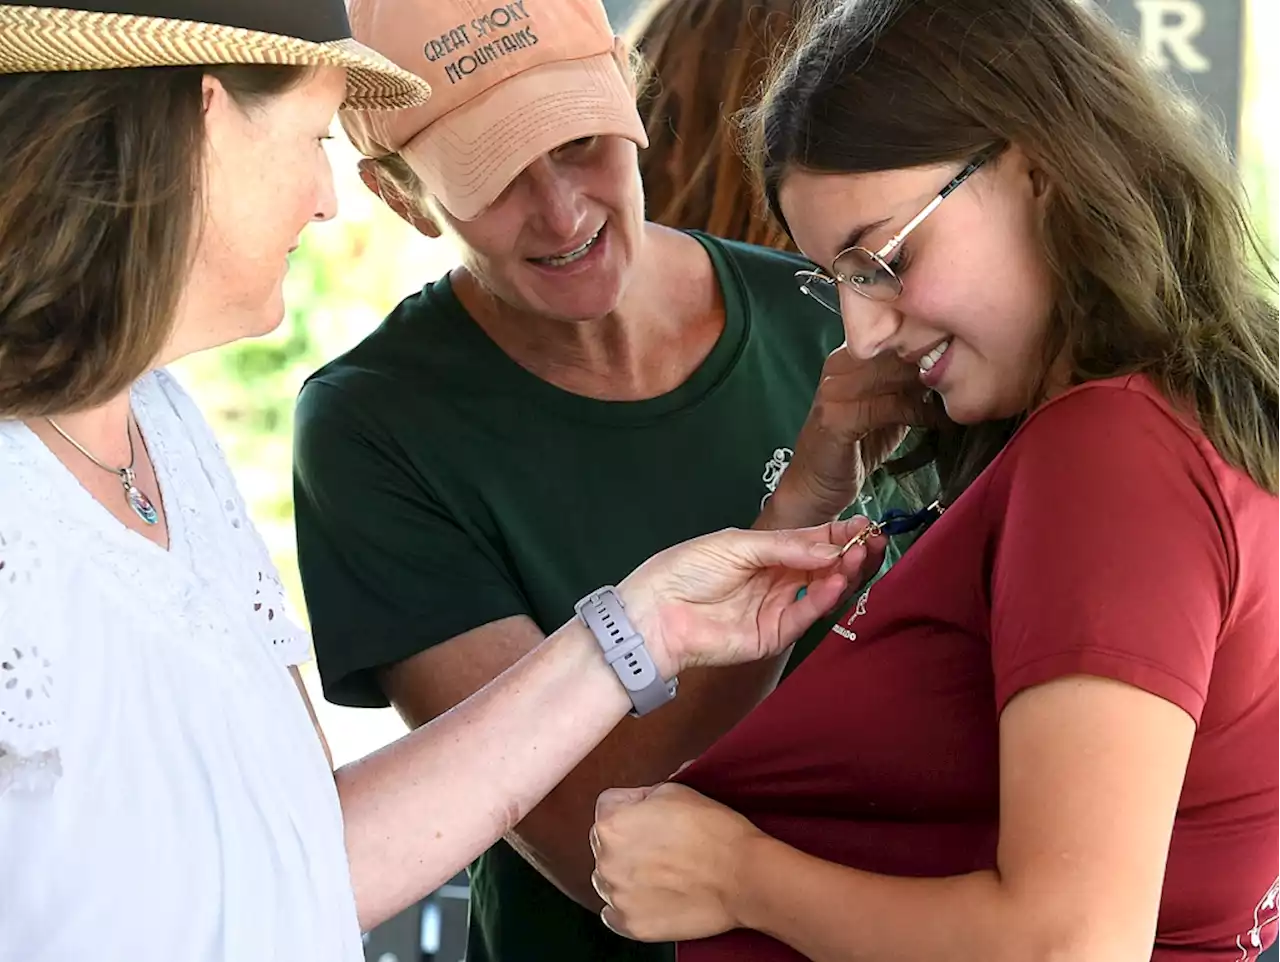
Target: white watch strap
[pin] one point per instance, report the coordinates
(604, 613)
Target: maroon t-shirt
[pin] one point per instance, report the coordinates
(1109, 539)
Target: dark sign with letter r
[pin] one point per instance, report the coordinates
(1199, 42)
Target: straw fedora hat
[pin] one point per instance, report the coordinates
(117, 34)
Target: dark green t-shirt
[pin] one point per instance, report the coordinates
(440, 486)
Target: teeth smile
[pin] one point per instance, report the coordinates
(559, 260)
(933, 357)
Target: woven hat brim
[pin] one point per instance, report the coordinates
(42, 39)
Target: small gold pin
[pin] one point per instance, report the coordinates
(862, 537)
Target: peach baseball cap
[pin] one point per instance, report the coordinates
(510, 81)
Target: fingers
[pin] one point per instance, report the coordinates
(883, 369)
(609, 803)
(877, 423)
(859, 564)
(897, 409)
(820, 597)
(612, 799)
(611, 921)
(601, 886)
(609, 915)
(803, 549)
(841, 531)
(868, 395)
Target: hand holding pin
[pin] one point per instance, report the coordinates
(894, 522)
(862, 537)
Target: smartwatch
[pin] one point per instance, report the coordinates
(604, 613)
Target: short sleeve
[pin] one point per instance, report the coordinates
(278, 624)
(29, 756)
(257, 585)
(1113, 556)
(388, 567)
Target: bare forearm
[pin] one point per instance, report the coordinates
(831, 913)
(420, 809)
(555, 836)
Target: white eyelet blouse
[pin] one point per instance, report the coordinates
(163, 794)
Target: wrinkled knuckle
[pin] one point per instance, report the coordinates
(624, 918)
(624, 926)
(609, 802)
(789, 539)
(604, 832)
(606, 864)
(605, 797)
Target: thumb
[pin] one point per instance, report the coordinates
(804, 549)
(614, 799)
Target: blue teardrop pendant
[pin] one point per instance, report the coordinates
(138, 501)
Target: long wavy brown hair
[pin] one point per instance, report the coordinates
(704, 60)
(100, 200)
(1150, 244)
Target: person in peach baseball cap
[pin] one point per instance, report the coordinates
(512, 81)
(584, 389)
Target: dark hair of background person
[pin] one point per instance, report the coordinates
(1149, 242)
(102, 175)
(704, 59)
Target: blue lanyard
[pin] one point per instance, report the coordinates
(896, 521)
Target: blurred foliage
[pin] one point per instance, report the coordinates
(1260, 135)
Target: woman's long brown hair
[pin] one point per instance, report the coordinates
(100, 203)
(705, 59)
(1146, 231)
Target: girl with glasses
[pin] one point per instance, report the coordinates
(1050, 731)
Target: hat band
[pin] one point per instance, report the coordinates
(317, 21)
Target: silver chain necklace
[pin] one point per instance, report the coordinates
(138, 501)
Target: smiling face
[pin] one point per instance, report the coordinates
(266, 177)
(561, 240)
(977, 291)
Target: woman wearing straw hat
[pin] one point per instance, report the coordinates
(162, 788)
